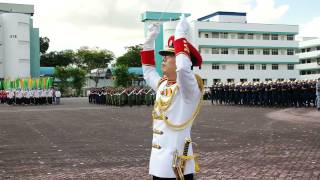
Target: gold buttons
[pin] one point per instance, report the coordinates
(155, 131)
(157, 146)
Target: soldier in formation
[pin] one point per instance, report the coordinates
(272, 93)
(27, 96)
(119, 96)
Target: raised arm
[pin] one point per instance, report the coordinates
(148, 58)
(185, 77)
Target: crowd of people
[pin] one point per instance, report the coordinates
(119, 96)
(30, 97)
(297, 93)
(279, 94)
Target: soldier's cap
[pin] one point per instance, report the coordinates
(195, 56)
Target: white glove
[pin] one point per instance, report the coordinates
(153, 31)
(182, 29)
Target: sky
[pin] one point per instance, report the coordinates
(116, 24)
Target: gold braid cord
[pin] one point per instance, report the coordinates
(163, 106)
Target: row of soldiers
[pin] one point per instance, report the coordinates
(28, 97)
(280, 94)
(119, 96)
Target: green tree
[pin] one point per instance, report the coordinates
(62, 74)
(131, 58)
(122, 76)
(78, 77)
(61, 58)
(72, 77)
(90, 59)
(44, 44)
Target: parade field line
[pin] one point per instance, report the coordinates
(78, 140)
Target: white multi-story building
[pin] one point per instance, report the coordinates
(19, 42)
(309, 57)
(234, 50)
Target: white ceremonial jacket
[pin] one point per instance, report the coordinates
(167, 140)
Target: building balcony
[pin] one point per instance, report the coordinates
(308, 66)
(246, 43)
(249, 59)
(311, 54)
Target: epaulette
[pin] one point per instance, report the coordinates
(161, 80)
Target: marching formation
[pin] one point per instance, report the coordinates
(279, 94)
(119, 96)
(30, 97)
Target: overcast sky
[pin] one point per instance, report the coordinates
(114, 24)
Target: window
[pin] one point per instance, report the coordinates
(258, 51)
(241, 36)
(206, 35)
(274, 37)
(224, 35)
(290, 52)
(250, 36)
(303, 50)
(243, 80)
(303, 61)
(290, 37)
(240, 66)
(274, 51)
(224, 50)
(266, 36)
(280, 79)
(215, 35)
(250, 51)
(275, 66)
(241, 51)
(215, 66)
(264, 67)
(206, 51)
(308, 61)
(255, 79)
(223, 67)
(233, 36)
(268, 79)
(251, 66)
(266, 51)
(215, 50)
(292, 79)
(290, 66)
(230, 80)
(308, 49)
(258, 67)
(258, 36)
(318, 47)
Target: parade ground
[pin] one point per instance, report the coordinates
(78, 140)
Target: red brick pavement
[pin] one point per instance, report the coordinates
(81, 141)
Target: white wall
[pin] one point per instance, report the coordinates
(16, 35)
(1, 49)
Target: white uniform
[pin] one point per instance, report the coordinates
(166, 138)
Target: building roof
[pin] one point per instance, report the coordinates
(161, 16)
(225, 13)
(17, 8)
(46, 71)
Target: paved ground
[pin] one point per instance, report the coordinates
(77, 140)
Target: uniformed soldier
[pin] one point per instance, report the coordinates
(318, 94)
(178, 99)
